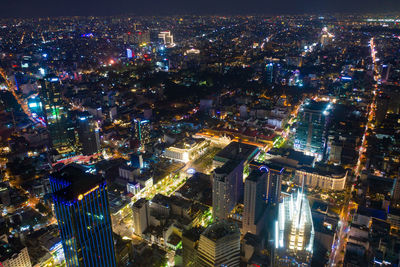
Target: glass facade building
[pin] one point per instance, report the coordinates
(88, 133)
(310, 132)
(141, 129)
(82, 211)
(55, 114)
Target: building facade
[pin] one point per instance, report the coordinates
(323, 179)
(186, 150)
(294, 232)
(219, 245)
(254, 202)
(13, 256)
(141, 216)
(227, 188)
(141, 131)
(56, 114)
(82, 211)
(310, 132)
(88, 133)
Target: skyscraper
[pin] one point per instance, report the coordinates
(141, 130)
(274, 182)
(141, 216)
(310, 132)
(219, 245)
(254, 202)
(269, 73)
(55, 114)
(294, 232)
(227, 188)
(88, 134)
(82, 211)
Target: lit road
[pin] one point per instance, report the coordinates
(339, 246)
(371, 111)
(21, 102)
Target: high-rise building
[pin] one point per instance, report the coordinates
(190, 243)
(227, 188)
(274, 182)
(55, 114)
(254, 202)
(83, 216)
(219, 245)
(141, 130)
(141, 216)
(129, 53)
(269, 73)
(294, 232)
(396, 191)
(310, 132)
(88, 133)
(13, 254)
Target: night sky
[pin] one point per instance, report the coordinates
(41, 8)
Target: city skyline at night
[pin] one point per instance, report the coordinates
(182, 133)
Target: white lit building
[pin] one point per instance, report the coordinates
(141, 216)
(294, 232)
(167, 37)
(186, 150)
(219, 245)
(327, 179)
(12, 256)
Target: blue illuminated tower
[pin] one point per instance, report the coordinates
(82, 210)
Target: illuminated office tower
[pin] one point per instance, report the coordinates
(82, 211)
(269, 73)
(88, 133)
(310, 132)
(254, 202)
(141, 130)
(227, 188)
(55, 114)
(294, 232)
(219, 245)
(129, 53)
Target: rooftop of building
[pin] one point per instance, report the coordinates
(187, 143)
(139, 204)
(375, 213)
(228, 167)
(193, 234)
(326, 170)
(300, 157)
(236, 150)
(78, 179)
(315, 106)
(220, 229)
(254, 175)
(9, 249)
